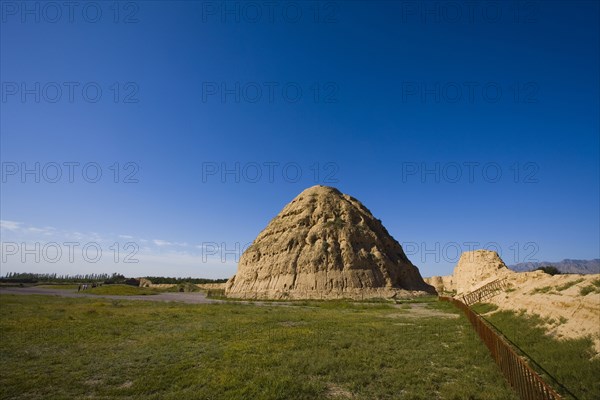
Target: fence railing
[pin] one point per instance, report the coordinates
(525, 381)
(485, 292)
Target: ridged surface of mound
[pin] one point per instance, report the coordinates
(325, 244)
(477, 268)
(569, 304)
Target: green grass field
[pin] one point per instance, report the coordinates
(59, 348)
(113, 289)
(62, 286)
(571, 361)
(121, 289)
(116, 289)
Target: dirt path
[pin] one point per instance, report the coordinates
(191, 298)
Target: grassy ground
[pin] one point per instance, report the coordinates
(569, 361)
(594, 287)
(116, 289)
(55, 348)
(64, 286)
(122, 290)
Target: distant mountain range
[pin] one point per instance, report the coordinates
(565, 266)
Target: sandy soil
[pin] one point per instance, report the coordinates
(558, 299)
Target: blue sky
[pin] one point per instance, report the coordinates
(460, 126)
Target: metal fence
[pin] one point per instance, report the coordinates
(485, 292)
(525, 381)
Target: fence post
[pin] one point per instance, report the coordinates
(524, 380)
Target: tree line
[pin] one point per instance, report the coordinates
(162, 279)
(30, 277)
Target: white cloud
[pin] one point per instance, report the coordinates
(156, 257)
(162, 243)
(148, 264)
(10, 225)
(47, 230)
(75, 235)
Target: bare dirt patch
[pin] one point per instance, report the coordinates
(337, 392)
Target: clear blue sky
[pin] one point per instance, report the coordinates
(364, 96)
